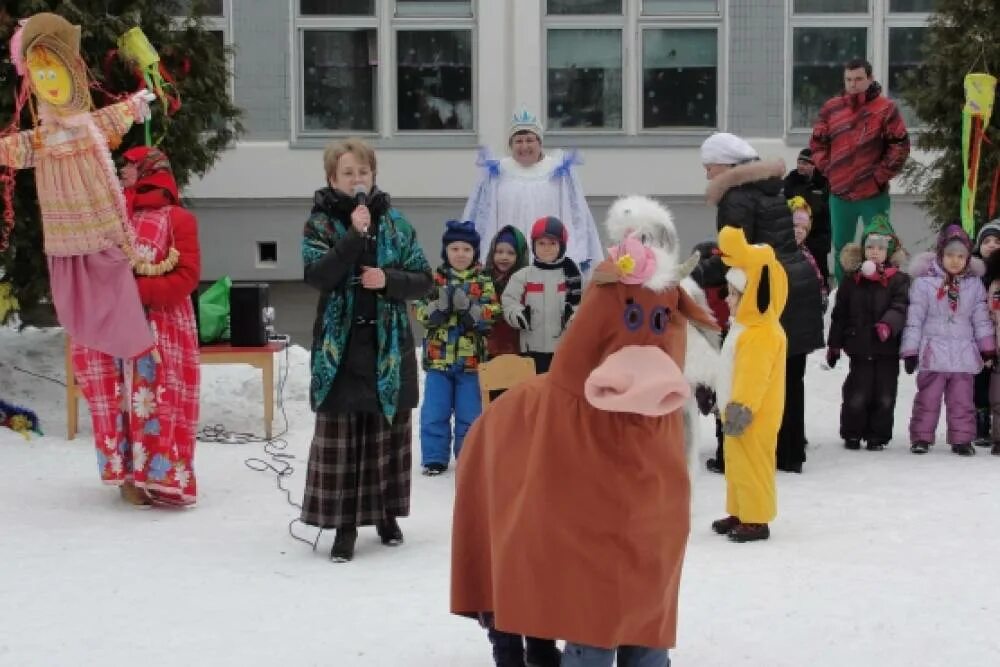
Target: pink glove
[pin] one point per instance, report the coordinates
(883, 331)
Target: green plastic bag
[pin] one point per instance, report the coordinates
(213, 312)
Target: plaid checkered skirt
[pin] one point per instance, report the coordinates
(359, 470)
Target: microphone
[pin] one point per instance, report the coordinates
(360, 195)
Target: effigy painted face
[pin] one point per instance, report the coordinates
(50, 77)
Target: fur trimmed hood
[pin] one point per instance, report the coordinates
(926, 264)
(853, 255)
(742, 174)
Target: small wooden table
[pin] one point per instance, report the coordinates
(258, 357)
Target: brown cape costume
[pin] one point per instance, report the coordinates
(571, 521)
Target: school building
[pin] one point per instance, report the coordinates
(635, 85)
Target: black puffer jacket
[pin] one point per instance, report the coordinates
(862, 303)
(749, 196)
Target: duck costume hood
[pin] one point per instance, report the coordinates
(577, 527)
(752, 397)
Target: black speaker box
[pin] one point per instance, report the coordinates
(247, 302)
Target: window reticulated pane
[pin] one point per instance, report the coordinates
(830, 6)
(911, 5)
(337, 7)
(583, 7)
(905, 55)
(680, 78)
(434, 80)
(584, 79)
(339, 79)
(448, 8)
(663, 7)
(818, 57)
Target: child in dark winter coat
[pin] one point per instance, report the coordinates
(992, 278)
(508, 255)
(457, 316)
(868, 317)
(540, 299)
(987, 241)
(948, 335)
(802, 226)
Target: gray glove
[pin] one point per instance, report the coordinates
(460, 300)
(736, 419)
(439, 309)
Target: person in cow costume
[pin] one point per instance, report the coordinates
(578, 529)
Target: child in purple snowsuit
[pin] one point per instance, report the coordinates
(949, 335)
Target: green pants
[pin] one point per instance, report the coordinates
(844, 222)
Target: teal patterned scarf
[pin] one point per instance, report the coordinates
(396, 247)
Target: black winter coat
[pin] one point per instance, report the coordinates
(354, 387)
(861, 304)
(749, 196)
(816, 192)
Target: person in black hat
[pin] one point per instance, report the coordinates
(807, 182)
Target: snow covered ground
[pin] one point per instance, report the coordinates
(876, 558)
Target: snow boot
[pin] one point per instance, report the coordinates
(723, 526)
(982, 428)
(434, 469)
(876, 445)
(135, 496)
(963, 449)
(389, 532)
(852, 443)
(541, 652)
(508, 649)
(343, 545)
(749, 532)
(920, 447)
(716, 465)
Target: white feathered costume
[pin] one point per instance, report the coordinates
(653, 224)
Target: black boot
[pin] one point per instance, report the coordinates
(749, 532)
(541, 652)
(390, 532)
(963, 449)
(343, 545)
(983, 428)
(508, 649)
(723, 526)
(852, 443)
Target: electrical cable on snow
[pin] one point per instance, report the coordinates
(280, 461)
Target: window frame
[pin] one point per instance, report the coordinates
(387, 25)
(877, 21)
(633, 23)
(223, 24)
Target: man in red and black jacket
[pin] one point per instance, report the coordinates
(860, 143)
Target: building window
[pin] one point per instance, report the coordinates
(680, 77)
(434, 80)
(584, 79)
(583, 7)
(887, 33)
(830, 6)
(429, 85)
(818, 57)
(341, 68)
(599, 79)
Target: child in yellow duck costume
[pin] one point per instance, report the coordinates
(754, 395)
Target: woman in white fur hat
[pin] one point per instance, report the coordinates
(748, 194)
(530, 184)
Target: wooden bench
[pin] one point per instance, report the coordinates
(258, 357)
